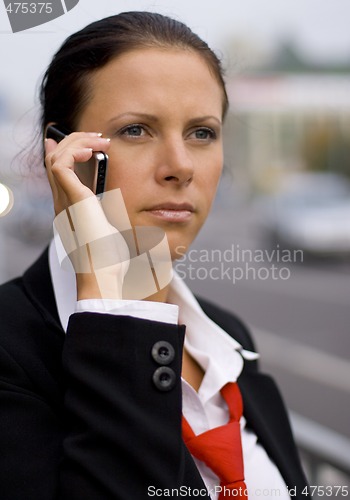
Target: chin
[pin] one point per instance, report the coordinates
(178, 246)
(180, 241)
(178, 253)
(179, 236)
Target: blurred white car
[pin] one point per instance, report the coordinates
(310, 212)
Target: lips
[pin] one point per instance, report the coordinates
(173, 206)
(172, 212)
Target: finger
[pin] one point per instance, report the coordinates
(61, 159)
(85, 140)
(68, 183)
(65, 185)
(66, 158)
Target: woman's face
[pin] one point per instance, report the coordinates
(162, 110)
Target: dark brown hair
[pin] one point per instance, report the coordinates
(65, 87)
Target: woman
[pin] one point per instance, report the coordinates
(91, 383)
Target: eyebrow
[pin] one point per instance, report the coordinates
(146, 116)
(204, 118)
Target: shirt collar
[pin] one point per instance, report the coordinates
(64, 285)
(220, 356)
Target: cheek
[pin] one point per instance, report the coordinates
(211, 177)
(128, 166)
(124, 175)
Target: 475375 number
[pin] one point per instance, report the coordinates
(29, 8)
(326, 491)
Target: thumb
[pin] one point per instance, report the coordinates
(49, 145)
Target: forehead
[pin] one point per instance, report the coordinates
(161, 79)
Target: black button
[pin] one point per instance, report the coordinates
(163, 352)
(164, 378)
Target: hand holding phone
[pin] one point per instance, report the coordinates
(91, 173)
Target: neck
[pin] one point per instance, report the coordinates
(160, 296)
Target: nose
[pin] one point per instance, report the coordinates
(175, 164)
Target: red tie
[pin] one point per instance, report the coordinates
(221, 448)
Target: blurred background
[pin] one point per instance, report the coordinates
(276, 248)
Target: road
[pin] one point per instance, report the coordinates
(299, 315)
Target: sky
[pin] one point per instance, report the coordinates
(319, 27)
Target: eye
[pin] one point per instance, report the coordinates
(204, 134)
(134, 130)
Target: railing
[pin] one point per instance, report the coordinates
(325, 453)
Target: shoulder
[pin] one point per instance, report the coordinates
(229, 322)
(17, 308)
(30, 348)
(14, 303)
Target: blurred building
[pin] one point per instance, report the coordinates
(288, 115)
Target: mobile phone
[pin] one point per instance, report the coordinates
(91, 173)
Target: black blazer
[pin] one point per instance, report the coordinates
(82, 415)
